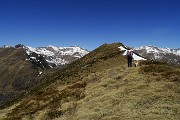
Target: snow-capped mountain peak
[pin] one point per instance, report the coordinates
(168, 55)
(153, 49)
(57, 56)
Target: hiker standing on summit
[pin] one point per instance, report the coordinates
(129, 57)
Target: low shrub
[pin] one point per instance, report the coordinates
(155, 68)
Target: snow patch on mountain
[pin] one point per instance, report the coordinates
(135, 55)
(178, 52)
(40, 51)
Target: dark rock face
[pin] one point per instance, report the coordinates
(19, 46)
(38, 60)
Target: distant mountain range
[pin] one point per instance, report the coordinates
(56, 56)
(171, 56)
(59, 56)
(53, 55)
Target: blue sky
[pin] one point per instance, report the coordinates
(90, 23)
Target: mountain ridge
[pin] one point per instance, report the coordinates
(171, 56)
(101, 86)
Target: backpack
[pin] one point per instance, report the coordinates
(129, 53)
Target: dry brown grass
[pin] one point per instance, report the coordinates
(133, 96)
(113, 94)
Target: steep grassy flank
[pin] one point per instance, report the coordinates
(16, 73)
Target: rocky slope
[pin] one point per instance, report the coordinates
(100, 86)
(171, 56)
